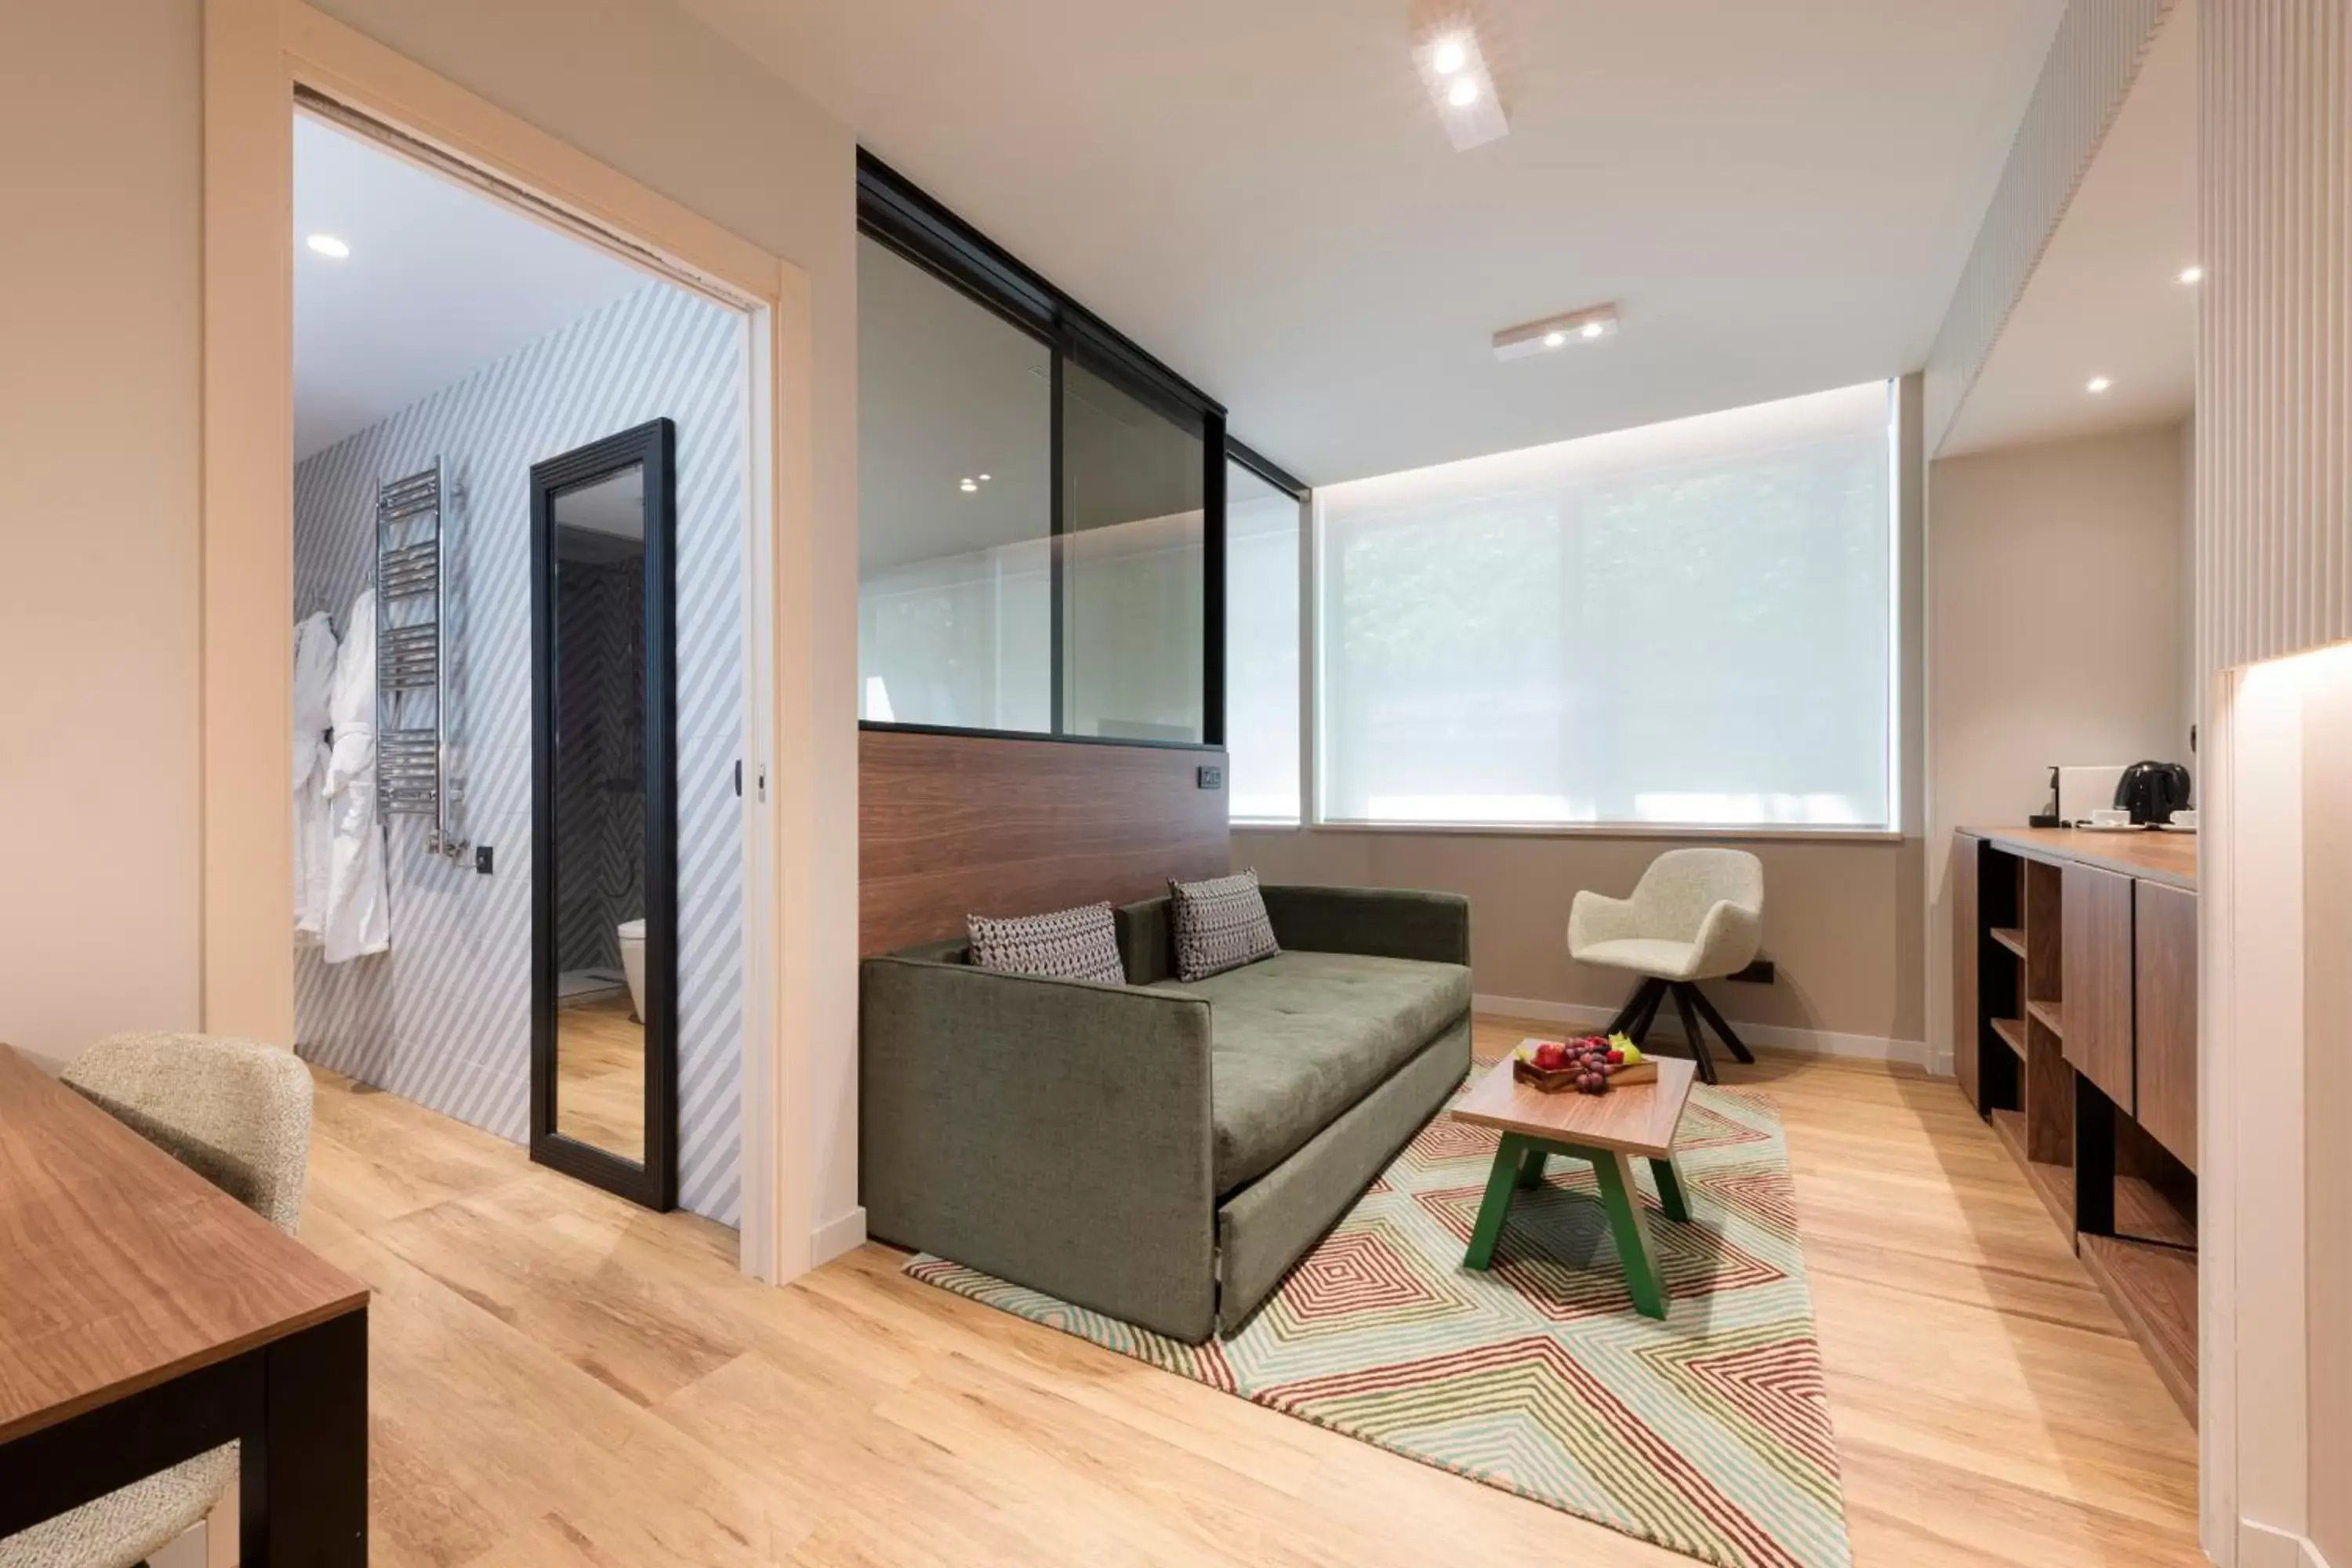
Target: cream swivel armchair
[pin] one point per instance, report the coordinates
(238, 1114)
(1696, 914)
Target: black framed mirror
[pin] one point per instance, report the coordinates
(603, 1036)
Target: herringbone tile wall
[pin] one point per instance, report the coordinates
(444, 1018)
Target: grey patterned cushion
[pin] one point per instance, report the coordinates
(1069, 944)
(1221, 924)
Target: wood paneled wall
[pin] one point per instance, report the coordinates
(2274, 354)
(956, 825)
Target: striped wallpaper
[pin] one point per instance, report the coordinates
(445, 1018)
(2092, 62)
(2275, 349)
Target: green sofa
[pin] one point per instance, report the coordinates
(1160, 1152)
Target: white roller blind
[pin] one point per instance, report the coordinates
(1686, 624)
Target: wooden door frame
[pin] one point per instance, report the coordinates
(260, 58)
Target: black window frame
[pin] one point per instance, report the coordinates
(904, 218)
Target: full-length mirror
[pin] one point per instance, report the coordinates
(604, 1002)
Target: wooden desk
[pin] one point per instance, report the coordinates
(146, 1316)
(2152, 856)
(2075, 1035)
(1611, 1130)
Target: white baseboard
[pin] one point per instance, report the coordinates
(2266, 1546)
(1813, 1042)
(833, 1238)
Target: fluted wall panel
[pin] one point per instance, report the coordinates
(2090, 69)
(2275, 352)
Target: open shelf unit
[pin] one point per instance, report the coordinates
(2053, 1184)
(2066, 1111)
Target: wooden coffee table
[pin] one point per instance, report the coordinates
(1630, 1122)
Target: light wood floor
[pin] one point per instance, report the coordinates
(560, 1379)
(600, 1069)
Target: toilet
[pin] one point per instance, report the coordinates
(633, 964)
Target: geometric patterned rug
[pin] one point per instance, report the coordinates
(1708, 1434)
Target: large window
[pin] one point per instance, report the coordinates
(1261, 647)
(1690, 624)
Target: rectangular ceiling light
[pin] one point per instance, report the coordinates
(1589, 325)
(1455, 71)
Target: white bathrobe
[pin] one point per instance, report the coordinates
(314, 685)
(358, 916)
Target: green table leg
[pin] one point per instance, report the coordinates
(1500, 1182)
(1531, 1167)
(1671, 1196)
(1623, 1199)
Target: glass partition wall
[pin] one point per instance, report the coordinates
(1042, 504)
(955, 412)
(1133, 585)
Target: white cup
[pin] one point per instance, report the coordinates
(2110, 817)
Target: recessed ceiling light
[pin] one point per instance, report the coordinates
(1556, 331)
(1452, 70)
(2192, 275)
(983, 478)
(966, 485)
(328, 244)
(2098, 384)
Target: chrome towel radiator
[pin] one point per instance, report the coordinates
(412, 666)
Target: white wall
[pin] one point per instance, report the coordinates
(2056, 625)
(98, 509)
(100, 313)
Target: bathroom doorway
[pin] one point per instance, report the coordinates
(448, 341)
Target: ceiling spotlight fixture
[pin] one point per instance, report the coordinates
(1558, 332)
(1454, 71)
(328, 244)
(983, 478)
(2098, 384)
(966, 485)
(2192, 275)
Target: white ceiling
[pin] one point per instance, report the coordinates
(2106, 299)
(441, 280)
(1780, 196)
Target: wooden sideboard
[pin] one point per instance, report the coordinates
(2075, 1035)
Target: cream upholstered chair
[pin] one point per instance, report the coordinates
(1696, 914)
(238, 1114)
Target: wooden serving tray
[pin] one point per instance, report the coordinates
(1564, 1081)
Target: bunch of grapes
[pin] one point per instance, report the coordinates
(1592, 1059)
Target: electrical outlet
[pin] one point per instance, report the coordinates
(1211, 777)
